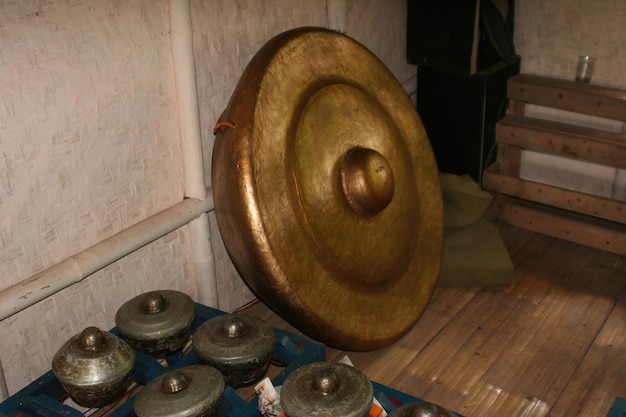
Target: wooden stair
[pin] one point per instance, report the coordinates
(587, 219)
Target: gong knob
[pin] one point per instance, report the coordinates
(152, 303)
(174, 382)
(92, 339)
(233, 326)
(366, 181)
(325, 382)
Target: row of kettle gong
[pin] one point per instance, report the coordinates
(95, 367)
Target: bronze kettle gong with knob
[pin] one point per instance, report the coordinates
(325, 389)
(326, 190)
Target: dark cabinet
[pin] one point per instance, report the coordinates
(460, 111)
(464, 54)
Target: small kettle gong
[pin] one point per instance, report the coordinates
(94, 367)
(157, 322)
(421, 409)
(240, 346)
(192, 391)
(325, 389)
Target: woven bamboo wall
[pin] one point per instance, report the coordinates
(88, 134)
(551, 34)
(90, 144)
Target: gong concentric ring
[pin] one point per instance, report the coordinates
(326, 190)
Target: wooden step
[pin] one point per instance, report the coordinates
(582, 98)
(561, 139)
(600, 207)
(562, 224)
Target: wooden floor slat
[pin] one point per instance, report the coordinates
(602, 372)
(553, 343)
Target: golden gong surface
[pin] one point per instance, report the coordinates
(326, 190)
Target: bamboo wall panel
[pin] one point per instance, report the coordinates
(550, 36)
(88, 146)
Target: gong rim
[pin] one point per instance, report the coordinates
(276, 193)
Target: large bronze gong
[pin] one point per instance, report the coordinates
(326, 190)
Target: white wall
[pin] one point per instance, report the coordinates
(90, 144)
(551, 34)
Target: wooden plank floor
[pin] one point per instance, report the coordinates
(551, 344)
